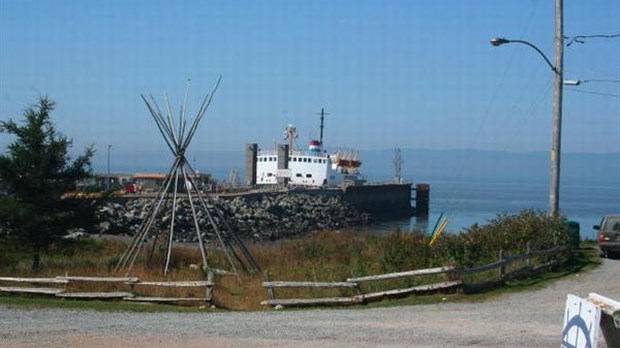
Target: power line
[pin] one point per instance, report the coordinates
(596, 80)
(580, 38)
(595, 93)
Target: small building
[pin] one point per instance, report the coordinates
(103, 181)
(149, 182)
(152, 182)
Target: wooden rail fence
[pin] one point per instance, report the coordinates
(354, 283)
(454, 279)
(62, 284)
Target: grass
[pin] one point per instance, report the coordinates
(322, 256)
(35, 302)
(245, 293)
(584, 259)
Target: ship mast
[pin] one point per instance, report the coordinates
(323, 113)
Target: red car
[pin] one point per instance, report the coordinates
(131, 188)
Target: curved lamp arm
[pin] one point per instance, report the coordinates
(498, 41)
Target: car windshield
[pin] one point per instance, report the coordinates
(611, 223)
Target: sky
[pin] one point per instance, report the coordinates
(408, 74)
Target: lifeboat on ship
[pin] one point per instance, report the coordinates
(347, 160)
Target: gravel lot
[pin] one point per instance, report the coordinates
(531, 319)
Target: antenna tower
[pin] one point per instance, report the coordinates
(322, 114)
(398, 166)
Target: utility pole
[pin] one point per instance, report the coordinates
(107, 182)
(556, 117)
(556, 127)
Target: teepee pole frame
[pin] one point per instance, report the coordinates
(178, 137)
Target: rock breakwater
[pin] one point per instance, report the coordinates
(269, 216)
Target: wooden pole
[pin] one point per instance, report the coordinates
(556, 133)
(172, 218)
(502, 269)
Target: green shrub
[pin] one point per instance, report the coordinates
(480, 245)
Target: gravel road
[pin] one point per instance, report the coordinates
(532, 319)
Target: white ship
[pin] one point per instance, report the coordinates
(311, 167)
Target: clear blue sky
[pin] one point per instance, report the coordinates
(412, 74)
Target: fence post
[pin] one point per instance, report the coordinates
(270, 293)
(357, 287)
(210, 285)
(502, 268)
(529, 255)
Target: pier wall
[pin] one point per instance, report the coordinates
(389, 200)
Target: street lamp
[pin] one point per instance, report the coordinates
(556, 132)
(107, 182)
(578, 82)
(498, 41)
(573, 82)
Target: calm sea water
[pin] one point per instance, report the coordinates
(466, 202)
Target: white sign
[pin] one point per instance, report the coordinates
(581, 323)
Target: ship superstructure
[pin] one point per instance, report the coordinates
(313, 166)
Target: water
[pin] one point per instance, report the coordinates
(466, 202)
(585, 196)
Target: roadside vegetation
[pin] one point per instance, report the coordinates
(321, 256)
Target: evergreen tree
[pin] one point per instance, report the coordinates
(35, 172)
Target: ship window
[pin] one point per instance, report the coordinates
(298, 175)
(314, 160)
(293, 159)
(269, 174)
(308, 175)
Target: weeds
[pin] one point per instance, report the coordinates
(321, 256)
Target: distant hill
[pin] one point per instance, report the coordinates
(426, 165)
(419, 165)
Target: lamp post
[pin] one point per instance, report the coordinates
(579, 82)
(556, 129)
(107, 182)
